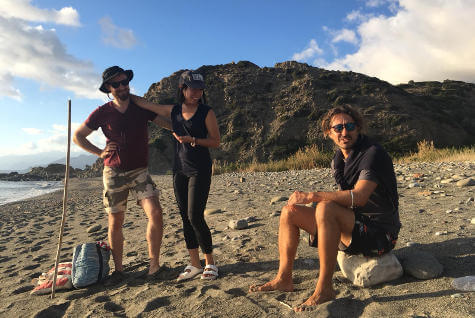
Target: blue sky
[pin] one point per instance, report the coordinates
(54, 50)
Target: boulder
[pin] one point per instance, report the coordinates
(421, 265)
(368, 271)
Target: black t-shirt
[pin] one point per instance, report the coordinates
(189, 160)
(369, 161)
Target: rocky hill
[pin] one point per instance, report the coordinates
(269, 113)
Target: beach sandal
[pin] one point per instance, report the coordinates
(189, 272)
(210, 270)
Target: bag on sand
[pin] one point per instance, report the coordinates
(45, 281)
(90, 264)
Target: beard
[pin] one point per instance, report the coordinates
(123, 96)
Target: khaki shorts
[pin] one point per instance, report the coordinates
(117, 185)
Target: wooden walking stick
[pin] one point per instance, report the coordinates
(65, 199)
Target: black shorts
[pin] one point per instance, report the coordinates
(367, 238)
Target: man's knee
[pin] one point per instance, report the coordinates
(324, 211)
(287, 215)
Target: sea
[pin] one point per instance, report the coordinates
(12, 191)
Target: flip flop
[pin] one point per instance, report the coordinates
(211, 270)
(189, 273)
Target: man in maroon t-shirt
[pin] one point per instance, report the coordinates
(125, 163)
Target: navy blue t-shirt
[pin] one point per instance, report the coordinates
(189, 160)
(369, 161)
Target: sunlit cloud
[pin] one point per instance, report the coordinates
(116, 36)
(23, 10)
(423, 40)
(308, 53)
(34, 52)
(55, 141)
(32, 131)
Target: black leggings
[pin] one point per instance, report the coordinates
(191, 194)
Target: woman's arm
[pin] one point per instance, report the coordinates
(213, 138)
(161, 110)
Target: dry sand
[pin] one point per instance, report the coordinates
(29, 235)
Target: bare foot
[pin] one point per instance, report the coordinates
(275, 284)
(316, 299)
(153, 269)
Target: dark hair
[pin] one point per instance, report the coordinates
(180, 98)
(343, 109)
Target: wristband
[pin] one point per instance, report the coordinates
(352, 200)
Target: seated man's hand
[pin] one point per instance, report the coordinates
(299, 197)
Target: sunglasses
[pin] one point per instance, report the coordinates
(124, 82)
(348, 126)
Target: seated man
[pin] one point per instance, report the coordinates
(360, 218)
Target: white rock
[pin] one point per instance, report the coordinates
(238, 224)
(472, 221)
(212, 211)
(368, 271)
(441, 233)
(446, 181)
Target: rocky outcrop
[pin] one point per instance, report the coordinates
(269, 113)
(53, 172)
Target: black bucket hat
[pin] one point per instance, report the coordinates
(192, 79)
(111, 72)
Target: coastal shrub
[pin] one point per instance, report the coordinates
(427, 152)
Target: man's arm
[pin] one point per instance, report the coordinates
(161, 110)
(361, 193)
(80, 139)
(163, 122)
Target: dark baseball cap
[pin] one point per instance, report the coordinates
(111, 72)
(192, 79)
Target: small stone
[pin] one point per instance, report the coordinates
(237, 192)
(441, 233)
(250, 219)
(445, 181)
(472, 221)
(469, 200)
(94, 228)
(449, 211)
(413, 185)
(409, 244)
(226, 238)
(242, 179)
(466, 182)
(456, 295)
(238, 224)
(278, 199)
(421, 210)
(212, 211)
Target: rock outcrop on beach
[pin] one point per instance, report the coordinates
(269, 113)
(53, 172)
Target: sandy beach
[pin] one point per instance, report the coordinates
(436, 214)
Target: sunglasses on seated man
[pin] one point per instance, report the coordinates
(124, 82)
(348, 126)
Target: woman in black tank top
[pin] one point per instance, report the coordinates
(195, 129)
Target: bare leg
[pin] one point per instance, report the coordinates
(334, 223)
(292, 219)
(195, 257)
(116, 238)
(154, 234)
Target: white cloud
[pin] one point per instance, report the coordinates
(56, 140)
(23, 10)
(424, 40)
(309, 52)
(357, 16)
(33, 52)
(345, 35)
(115, 36)
(32, 131)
